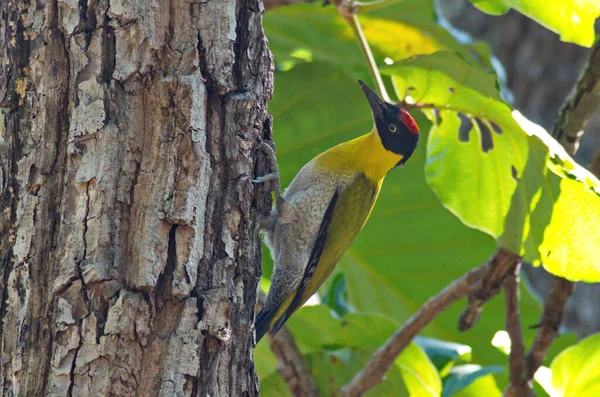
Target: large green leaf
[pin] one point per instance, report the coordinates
(411, 247)
(463, 376)
(310, 32)
(348, 344)
(482, 386)
(573, 20)
(333, 370)
(274, 385)
(265, 360)
(337, 296)
(576, 371)
(499, 172)
(418, 372)
(444, 354)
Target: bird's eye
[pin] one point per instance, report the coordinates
(393, 128)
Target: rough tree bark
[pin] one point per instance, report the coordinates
(129, 256)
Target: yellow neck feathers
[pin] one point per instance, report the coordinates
(365, 153)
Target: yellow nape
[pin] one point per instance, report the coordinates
(365, 153)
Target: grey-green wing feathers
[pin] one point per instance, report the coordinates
(301, 269)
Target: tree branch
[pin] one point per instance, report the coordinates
(548, 327)
(293, 368)
(384, 357)
(519, 384)
(502, 263)
(581, 104)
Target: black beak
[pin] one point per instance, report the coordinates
(377, 105)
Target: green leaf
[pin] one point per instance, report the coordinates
(359, 336)
(502, 342)
(274, 386)
(310, 32)
(418, 372)
(500, 173)
(444, 354)
(333, 370)
(573, 20)
(314, 328)
(367, 330)
(411, 247)
(482, 386)
(335, 298)
(576, 371)
(463, 376)
(265, 360)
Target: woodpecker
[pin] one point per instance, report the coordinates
(328, 202)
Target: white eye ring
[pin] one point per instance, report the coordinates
(393, 128)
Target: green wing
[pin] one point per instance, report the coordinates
(346, 215)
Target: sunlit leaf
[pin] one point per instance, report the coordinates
(463, 376)
(444, 354)
(573, 20)
(576, 371)
(499, 172)
(418, 372)
(310, 32)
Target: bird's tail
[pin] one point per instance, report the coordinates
(263, 322)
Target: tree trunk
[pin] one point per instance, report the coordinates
(129, 248)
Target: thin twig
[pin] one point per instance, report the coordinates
(272, 4)
(581, 104)
(519, 384)
(502, 263)
(349, 14)
(384, 357)
(292, 367)
(549, 325)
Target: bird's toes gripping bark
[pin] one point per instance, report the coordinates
(284, 208)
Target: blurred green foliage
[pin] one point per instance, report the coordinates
(515, 193)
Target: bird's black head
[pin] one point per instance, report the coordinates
(397, 129)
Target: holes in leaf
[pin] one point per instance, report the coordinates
(496, 128)
(465, 127)
(514, 173)
(487, 143)
(485, 128)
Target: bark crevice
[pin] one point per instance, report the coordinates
(132, 251)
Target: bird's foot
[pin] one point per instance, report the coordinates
(274, 174)
(266, 178)
(280, 203)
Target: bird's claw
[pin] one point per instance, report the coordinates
(266, 178)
